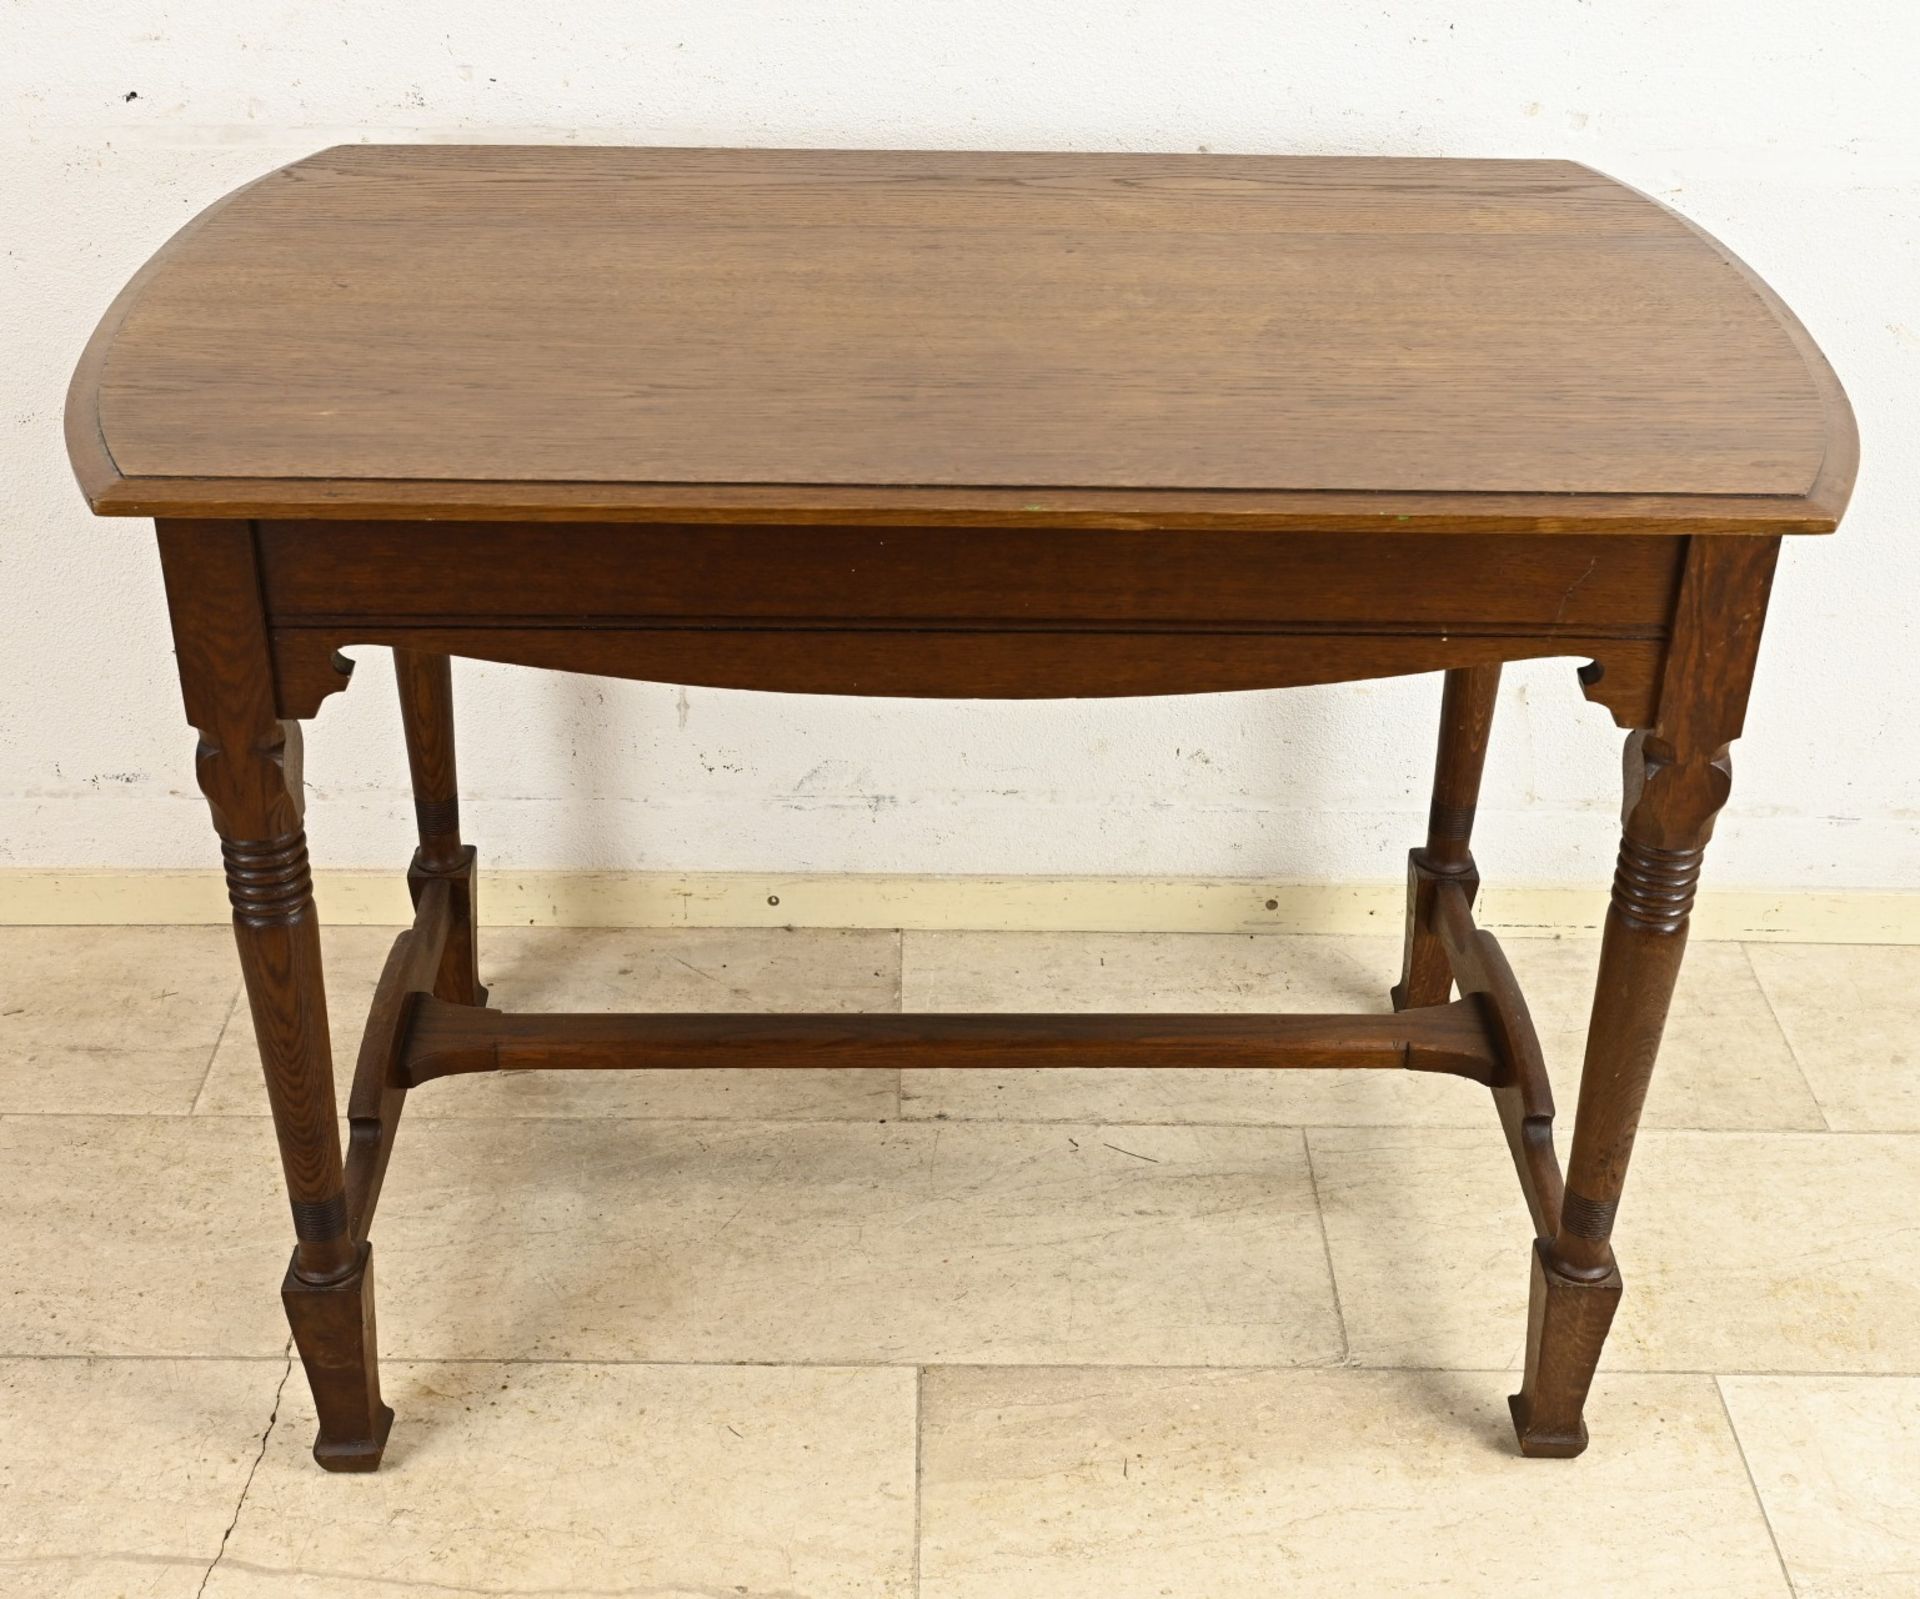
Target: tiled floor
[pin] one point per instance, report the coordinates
(966, 1335)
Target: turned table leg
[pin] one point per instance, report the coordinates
(426, 711)
(248, 765)
(1677, 778)
(1466, 719)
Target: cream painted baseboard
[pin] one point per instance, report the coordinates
(1085, 904)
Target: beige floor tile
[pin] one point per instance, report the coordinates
(851, 1242)
(1724, 1063)
(111, 1019)
(1140, 1484)
(1848, 1011)
(1429, 1236)
(1837, 1463)
(141, 1235)
(118, 1477)
(1741, 1251)
(352, 957)
(666, 1481)
(619, 969)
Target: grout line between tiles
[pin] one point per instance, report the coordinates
(900, 1005)
(1326, 1248)
(977, 1121)
(90, 1356)
(1356, 1369)
(1759, 1498)
(1360, 1369)
(901, 934)
(919, 1462)
(1780, 1027)
(213, 1055)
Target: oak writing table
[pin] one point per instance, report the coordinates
(971, 425)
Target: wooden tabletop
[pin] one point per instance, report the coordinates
(1166, 340)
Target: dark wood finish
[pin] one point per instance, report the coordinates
(249, 768)
(414, 970)
(526, 574)
(1010, 426)
(333, 1328)
(446, 1040)
(1678, 774)
(1567, 1323)
(426, 714)
(914, 335)
(248, 764)
(971, 663)
(1521, 1093)
(1466, 720)
(1002, 614)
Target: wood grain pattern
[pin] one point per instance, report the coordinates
(981, 663)
(1522, 1094)
(1466, 723)
(994, 612)
(446, 1040)
(1011, 426)
(425, 682)
(1677, 776)
(379, 1092)
(941, 336)
(513, 573)
(248, 762)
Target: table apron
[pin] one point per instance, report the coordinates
(968, 613)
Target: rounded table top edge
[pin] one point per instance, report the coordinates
(110, 492)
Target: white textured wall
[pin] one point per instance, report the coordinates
(1791, 131)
